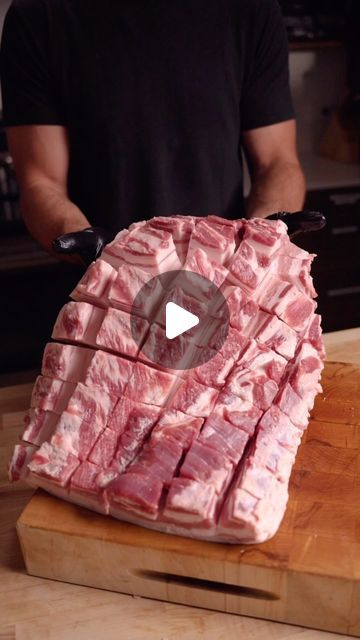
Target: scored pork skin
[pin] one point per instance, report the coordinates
(204, 451)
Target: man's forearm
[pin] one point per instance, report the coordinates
(279, 187)
(48, 213)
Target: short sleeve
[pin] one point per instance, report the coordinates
(27, 82)
(266, 94)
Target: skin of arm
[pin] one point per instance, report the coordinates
(277, 180)
(41, 160)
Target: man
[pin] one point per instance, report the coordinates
(119, 110)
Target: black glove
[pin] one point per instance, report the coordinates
(301, 221)
(88, 243)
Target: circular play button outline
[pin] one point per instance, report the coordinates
(192, 294)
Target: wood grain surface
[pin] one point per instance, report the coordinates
(37, 608)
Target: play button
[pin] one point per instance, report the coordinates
(188, 320)
(178, 320)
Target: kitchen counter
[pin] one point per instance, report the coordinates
(36, 608)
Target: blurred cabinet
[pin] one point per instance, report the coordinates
(31, 300)
(336, 271)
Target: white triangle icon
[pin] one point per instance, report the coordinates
(178, 320)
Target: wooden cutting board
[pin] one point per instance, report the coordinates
(308, 574)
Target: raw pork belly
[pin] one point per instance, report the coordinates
(129, 429)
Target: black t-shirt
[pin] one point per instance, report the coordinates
(154, 94)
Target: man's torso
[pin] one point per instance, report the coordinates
(151, 95)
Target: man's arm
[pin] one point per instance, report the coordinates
(41, 160)
(277, 179)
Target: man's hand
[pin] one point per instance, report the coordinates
(278, 182)
(300, 221)
(41, 160)
(87, 244)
